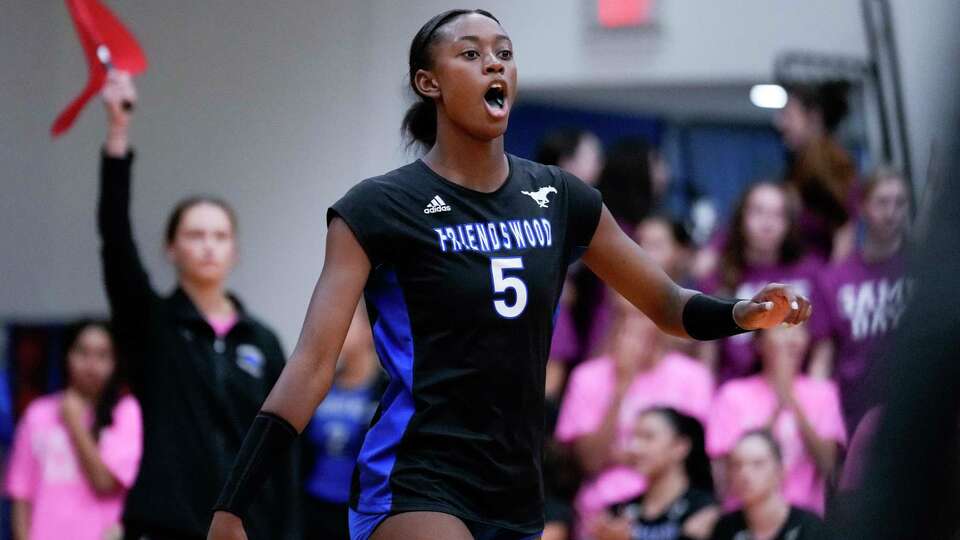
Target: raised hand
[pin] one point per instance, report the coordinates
(774, 304)
(119, 94)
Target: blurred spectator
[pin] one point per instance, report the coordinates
(668, 450)
(820, 169)
(802, 413)
(605, 395)
(763, 246)
(668, 243)
(626, 182)
(200, 364)
(576, 151)
(756, 469)
(76, 452)
(334, 436)
(865, 295)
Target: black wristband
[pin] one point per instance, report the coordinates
(269, 438)
(706, 317)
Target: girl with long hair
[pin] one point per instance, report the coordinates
(678, 504)
(76, 452)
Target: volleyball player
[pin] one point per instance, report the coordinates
(461, 256)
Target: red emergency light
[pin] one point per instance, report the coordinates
(624, 13)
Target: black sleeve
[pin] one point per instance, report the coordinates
(698, 500)
(727, 527)
(813, 528)
(362, 208)
(127, 284)
(584, 205)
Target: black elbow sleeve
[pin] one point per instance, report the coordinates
(270, 437)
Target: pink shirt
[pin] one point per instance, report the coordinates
(676, 381)
(44, 470)
(748, 403)
(222, 325)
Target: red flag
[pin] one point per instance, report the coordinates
(98, 27)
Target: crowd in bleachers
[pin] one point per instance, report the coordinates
(652, 437)
(791, 396)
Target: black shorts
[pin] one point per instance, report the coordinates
(324, 520)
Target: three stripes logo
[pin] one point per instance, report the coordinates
(436, 205)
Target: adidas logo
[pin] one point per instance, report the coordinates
(436, 205)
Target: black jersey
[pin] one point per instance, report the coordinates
(800, 525)
(669, 524)
(461, 296)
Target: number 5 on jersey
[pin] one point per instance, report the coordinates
(502, 283)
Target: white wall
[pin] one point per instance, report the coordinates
(281, 106)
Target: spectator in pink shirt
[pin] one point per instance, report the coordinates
(802, 413)
(606, 394)
(76, 453)
(763, 246)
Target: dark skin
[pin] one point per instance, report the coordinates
(472, 52)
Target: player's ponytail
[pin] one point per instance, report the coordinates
(420, 122)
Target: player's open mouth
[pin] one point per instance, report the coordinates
(496, 99)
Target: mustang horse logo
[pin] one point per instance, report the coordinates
(540, 195)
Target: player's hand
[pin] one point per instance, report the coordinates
(774, 304)
(119, 95)
(226, 526)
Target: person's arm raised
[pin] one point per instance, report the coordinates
(305, 379)
(127, 283)
(621, 263)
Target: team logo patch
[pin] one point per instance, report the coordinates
(436, 205)
(540, 196)
(250, 359)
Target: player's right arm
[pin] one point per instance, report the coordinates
(308, 374)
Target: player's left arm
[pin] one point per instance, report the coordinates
(624, 265)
